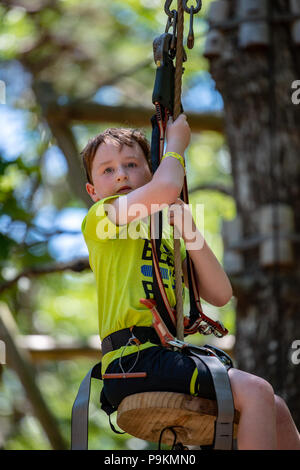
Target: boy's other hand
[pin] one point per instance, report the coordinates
(180, 217)
(178, 134)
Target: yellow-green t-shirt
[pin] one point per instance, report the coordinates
(121, 259)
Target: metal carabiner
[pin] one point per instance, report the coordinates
(196, 9)
(167, 9)
(172, 21)
(191, 38)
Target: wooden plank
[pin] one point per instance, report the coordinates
(145, 415)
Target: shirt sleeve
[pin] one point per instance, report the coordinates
(97, 225)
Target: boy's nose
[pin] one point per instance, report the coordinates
(121, 175)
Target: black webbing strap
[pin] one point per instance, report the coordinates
(120, 338)
(80, 410)
(223, 439)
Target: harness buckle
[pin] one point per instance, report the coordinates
(176, 343)
(162, 331)
(133, 340)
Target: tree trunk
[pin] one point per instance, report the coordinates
(262, 128)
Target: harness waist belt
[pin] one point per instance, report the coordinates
(122, 337)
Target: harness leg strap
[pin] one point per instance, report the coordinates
(80, 412)
(223, 439)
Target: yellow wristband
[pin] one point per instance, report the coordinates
(177, 156)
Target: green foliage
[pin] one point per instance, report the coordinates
(77, 46)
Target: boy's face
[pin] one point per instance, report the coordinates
(114, 168)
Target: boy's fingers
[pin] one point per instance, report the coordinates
(181, 116)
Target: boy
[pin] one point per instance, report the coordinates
(125, 192)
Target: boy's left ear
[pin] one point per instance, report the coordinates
(91, 191)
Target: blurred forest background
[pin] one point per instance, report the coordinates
(71, 68)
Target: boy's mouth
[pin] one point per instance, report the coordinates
(124, 189)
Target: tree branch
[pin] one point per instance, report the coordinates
(129, 116)
(46, 348)
(75, 176)
(220, 188)
(76, 266)
(19, 360)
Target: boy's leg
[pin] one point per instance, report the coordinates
(287, 434)
(254, 399)
(265, 421)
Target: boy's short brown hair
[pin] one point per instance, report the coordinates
(122, 136)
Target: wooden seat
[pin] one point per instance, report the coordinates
(145, 415)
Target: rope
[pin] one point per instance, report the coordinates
(177, 110)
(176, 445)
(179, 60)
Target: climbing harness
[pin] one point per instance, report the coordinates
(166, 330)
(216, 360)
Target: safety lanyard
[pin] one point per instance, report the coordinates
(164, 48)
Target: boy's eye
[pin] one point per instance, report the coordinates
(110, 169)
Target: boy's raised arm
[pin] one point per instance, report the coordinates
(166, 184)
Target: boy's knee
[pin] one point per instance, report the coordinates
(262, 389)
(249, 388)
(282, 411)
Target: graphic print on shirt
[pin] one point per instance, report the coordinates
(166, 264)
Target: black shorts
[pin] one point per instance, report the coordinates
(167, 371)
